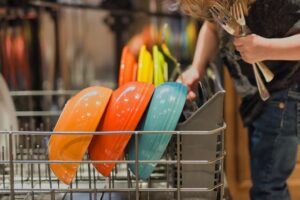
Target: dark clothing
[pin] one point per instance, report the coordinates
(273, 142)
(270, 19)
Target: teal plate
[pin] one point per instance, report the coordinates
(162, 115)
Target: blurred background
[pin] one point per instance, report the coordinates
(62, 46)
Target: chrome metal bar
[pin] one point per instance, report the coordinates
(22, 174)
(31, 173)
(52, 194)
(149, 186)
(90, 179)
(95, 185)
(49, 177)
(11, 168)
(113, 173)
(136, 137)
(38, 113)
(15, 152)
(28, 153)
(3, 173)
(71, 193)
(48, 133)
(186, 162)
(36, 190)
(81, 171)
(109, 182)
(129, 182)
(39, 166)
(45, 164)
(76, 179)
(222, 166)
(178, 166)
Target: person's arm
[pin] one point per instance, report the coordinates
(284, 49)
(254, 48)
(206, 49)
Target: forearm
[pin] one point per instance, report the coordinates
(206, 48)
(284, 48)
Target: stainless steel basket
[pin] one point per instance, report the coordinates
(192, 167)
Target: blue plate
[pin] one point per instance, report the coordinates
(163, 115)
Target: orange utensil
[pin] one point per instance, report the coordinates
(128, 68)
(123, 113)
(81, 113)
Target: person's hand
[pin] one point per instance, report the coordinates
(253, 48)
(190, 78)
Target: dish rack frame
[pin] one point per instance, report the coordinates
(192, 167)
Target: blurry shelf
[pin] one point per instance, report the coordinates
(11, 13)
(134, 12)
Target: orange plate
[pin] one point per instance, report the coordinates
(81, 113)
(123, 113)
(128, 68)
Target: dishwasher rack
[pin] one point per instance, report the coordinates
(182, 173)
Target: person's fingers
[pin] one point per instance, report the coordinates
(191, 96)
(238, 42)
(179, 80)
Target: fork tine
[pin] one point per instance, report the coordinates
(241, 11)
(225, 19)
(219, 20)
(232, 11)
(215, 10)
(214, 14)
(216, 17)
(221, 14)
(235, 11)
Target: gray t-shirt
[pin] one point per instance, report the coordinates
(270, 19)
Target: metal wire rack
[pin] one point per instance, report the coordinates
(26, 174)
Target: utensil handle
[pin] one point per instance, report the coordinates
(263, 92)
(267, 73)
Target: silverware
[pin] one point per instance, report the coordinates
(263, 92)
(238, 14)
(229, 24)
(225, 20)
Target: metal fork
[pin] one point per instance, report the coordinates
(229, 24)
(238, 14)
(225, 20)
